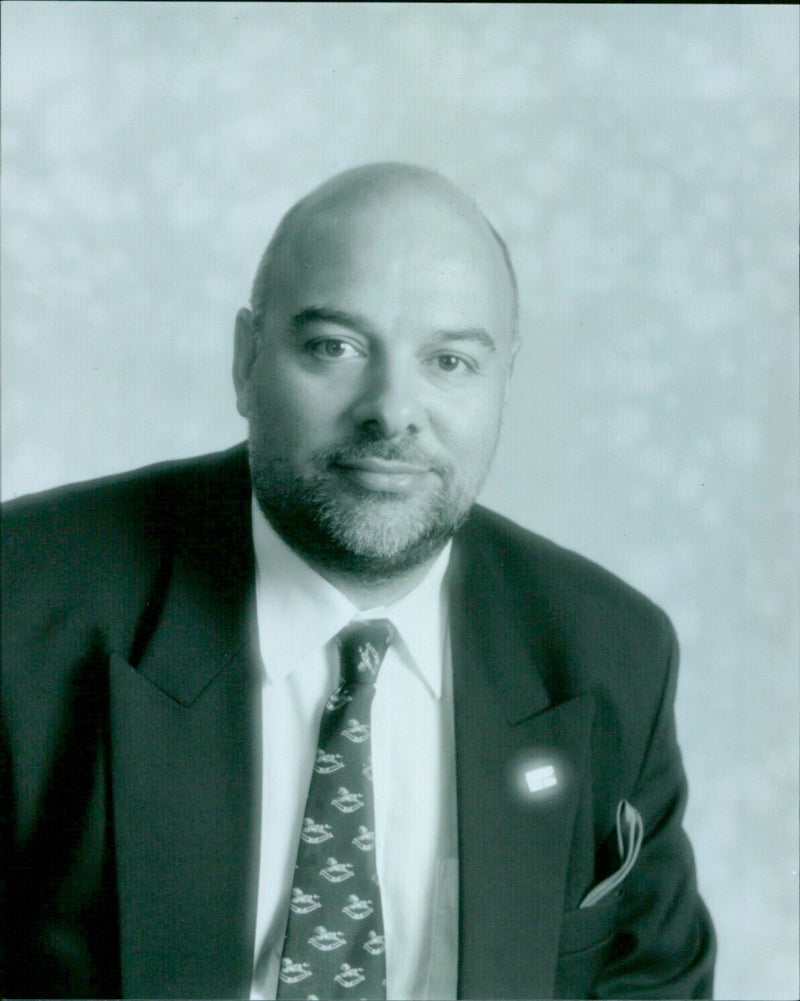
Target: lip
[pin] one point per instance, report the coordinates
(373, 464)
(383, 475)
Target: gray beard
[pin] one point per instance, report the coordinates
(350, 529)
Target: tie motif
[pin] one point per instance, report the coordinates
(313, 833)
(304, 903)
(356, 732)
(335, 945)
(365, 840)
(327, 763)
(369, 660)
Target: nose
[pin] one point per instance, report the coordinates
(391, 402)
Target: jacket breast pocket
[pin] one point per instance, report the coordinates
(586, 938)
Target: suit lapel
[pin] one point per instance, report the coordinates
(185, 729)
(514, 844)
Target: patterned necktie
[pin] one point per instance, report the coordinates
(334, 945)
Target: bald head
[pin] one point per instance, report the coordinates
(378, 195)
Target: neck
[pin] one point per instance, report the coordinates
(375, 592)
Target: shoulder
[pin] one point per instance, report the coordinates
(134, 489)
(127, 487)
(73, 533)
(534, 565)
(597, 630)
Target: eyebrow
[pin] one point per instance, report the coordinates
(477, 335)
(324, 314)
(360, 325)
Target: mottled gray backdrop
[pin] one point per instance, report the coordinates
(642, 163)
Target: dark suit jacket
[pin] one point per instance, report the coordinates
(131, 753)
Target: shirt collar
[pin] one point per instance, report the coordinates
(299, 611)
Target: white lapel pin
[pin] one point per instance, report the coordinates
(541, 778)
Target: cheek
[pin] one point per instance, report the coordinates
(471, 425)
(295, 411)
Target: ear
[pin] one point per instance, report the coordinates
(510, 371)
(245, 352)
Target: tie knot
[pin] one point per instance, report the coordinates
(362, 647)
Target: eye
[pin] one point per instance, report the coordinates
(453, 363)
(333, 349)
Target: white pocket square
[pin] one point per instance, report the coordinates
(630, 831)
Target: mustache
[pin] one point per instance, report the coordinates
(391, 450)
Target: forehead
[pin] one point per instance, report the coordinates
(397, 259)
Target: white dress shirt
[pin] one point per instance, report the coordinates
(413, 754)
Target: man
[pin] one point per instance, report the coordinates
(175, 639)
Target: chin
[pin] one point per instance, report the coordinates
(377, 536)
(384, 534)
(351, 529)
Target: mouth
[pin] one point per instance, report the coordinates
(383, 475)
